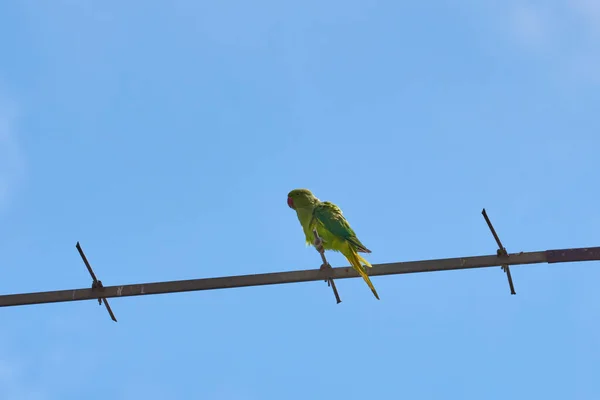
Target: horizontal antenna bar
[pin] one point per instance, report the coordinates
(446, 264)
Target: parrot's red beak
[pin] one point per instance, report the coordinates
(290, 203)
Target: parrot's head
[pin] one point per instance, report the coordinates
(300, 198)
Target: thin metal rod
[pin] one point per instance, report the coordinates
(445, 264)
(325, 265)
(489, 224)
(97, 285)
(86, 262)
(501, 252)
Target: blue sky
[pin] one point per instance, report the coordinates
(164, 136)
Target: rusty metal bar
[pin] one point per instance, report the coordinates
(568, 255)
(446, 264)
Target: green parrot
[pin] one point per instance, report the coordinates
(335, 232)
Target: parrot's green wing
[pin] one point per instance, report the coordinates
(331, 218)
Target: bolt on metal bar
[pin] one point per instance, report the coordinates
(97, 284)
(501, 252)
(446, 264)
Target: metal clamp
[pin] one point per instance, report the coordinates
(501, 252)
(96, 284)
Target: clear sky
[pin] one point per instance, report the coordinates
(165, 136)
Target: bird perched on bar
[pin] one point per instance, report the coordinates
(334, 230)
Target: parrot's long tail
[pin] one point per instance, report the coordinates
(356, 261)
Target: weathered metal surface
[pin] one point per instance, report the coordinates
(572, 255)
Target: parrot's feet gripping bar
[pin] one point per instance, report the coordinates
(96, 284)
(319, 246)
(501, 252)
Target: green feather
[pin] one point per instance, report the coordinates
(332, 219)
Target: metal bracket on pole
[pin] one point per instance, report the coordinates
(501, 252)
(96, 284)
(326, 265)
